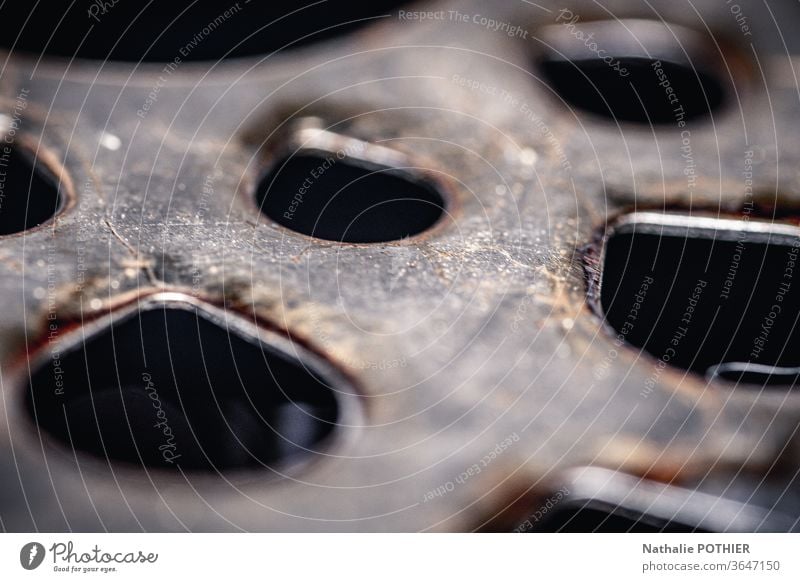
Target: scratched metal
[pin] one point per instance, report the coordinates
(486, 318)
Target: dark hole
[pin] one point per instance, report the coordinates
(179, 390)
(28, 192)
(593, 85)
(716, 301)
(599, 517)
(320, 195)
(750, 373)
(188, 30)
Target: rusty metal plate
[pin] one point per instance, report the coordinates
(474, 374)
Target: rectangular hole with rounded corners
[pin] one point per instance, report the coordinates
(718, 297)
(595, 499)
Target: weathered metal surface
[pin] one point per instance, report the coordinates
(472, 339)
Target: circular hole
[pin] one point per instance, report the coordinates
(637, 71)
(186, 30)
(169, 387)
(346, 200)
(29, 194)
